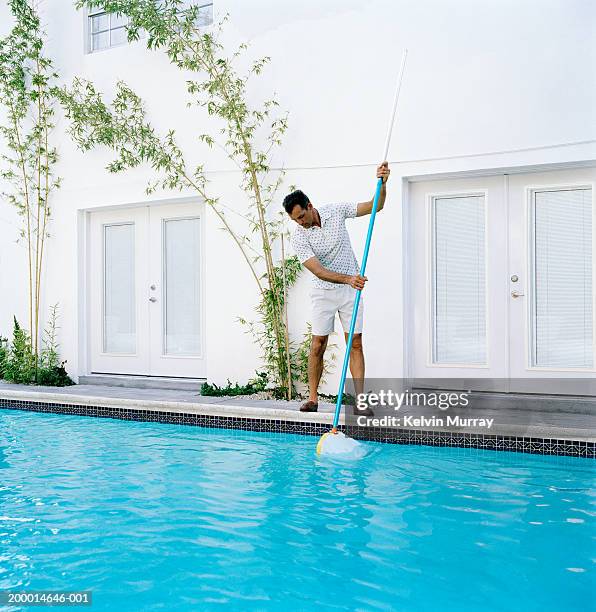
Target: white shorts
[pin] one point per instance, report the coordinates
(327, 302)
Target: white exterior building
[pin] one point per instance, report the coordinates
(482, 261)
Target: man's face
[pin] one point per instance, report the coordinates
(303, 216)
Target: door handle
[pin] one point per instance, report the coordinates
(152, 299)
(516, 294)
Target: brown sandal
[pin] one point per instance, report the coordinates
(309, 407)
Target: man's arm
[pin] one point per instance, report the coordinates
(315, 266)
(365, 208)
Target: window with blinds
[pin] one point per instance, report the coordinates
(562, 290)
(458, 280)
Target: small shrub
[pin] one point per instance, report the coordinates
(56, 376)
(255, 385)
(18, 363)
(19, 366)
(51, 371)
(347, 399)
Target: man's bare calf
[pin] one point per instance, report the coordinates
(315, 368)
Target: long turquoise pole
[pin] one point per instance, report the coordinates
(371, 225)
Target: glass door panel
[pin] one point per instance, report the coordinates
(458, 280)
(119, 325)
(561, 257)
(182, 286)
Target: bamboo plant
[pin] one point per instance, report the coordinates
(27, 168)
(248, 135)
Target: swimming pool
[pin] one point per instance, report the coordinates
(156, 516)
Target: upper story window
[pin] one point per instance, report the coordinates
(109, 30)
(205, 12)
(106, 30)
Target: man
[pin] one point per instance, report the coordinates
(322, 244)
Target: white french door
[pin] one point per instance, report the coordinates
(502, 280)
(552, 280)
(145, 289)
(458, 322)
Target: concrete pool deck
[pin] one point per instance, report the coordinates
(544, 417)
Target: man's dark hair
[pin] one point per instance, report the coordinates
(296, 197)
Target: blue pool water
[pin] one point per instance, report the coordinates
(164, 517)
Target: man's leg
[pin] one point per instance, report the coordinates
(357, 370)
(324, 308)
(357, 363)
(357, 353)
(315, 366)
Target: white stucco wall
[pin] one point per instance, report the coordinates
(491, 84)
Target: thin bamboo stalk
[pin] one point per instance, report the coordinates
(40, 119)
(286, 325)
(212, 68)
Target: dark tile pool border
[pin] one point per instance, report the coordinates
(497, 442)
